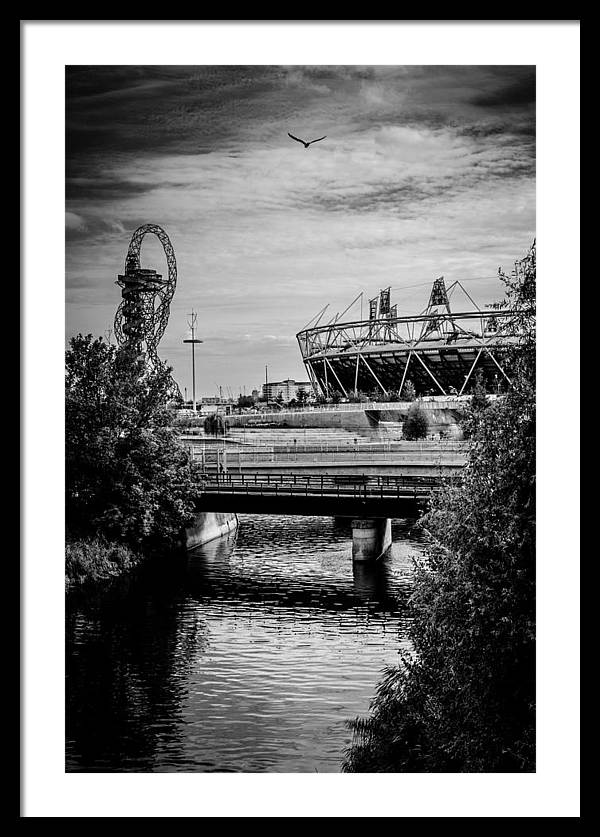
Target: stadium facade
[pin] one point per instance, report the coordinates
(438, 351)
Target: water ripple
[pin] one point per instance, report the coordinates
(250, 658)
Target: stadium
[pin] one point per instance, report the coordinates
(439, 351)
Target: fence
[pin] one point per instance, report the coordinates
(452, 455)
(294, 485)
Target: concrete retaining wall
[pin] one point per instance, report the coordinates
(443, 416)
(208, 526)
(318, 418)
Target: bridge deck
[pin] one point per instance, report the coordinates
(348, 495)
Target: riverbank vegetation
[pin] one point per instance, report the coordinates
(130, 484)
(96, 560)
(464, 700)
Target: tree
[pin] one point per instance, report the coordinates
(464, 700)
(416, 424)
(302, 396)
(479, 399)
(408, 391)
(128, 478)
(215, 424)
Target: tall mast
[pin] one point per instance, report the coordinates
(193, 341)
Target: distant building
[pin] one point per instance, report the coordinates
(288, 389)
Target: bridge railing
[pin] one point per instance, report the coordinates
(212, 458)
(327, 490)
(321, 479)
(363, 447)
(345, 440)
(357, 486)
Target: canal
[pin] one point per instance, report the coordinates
(248, 657)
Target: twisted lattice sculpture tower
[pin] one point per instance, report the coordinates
(143, 314)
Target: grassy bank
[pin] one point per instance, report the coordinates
(95, 560)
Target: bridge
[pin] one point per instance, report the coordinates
(324, 472)
(371, 501)
(340, 495)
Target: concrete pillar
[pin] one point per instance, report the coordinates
(371, 538)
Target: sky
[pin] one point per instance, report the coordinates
(424, 172)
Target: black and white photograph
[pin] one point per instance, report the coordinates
(299, 404)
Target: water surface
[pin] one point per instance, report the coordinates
(249, 656)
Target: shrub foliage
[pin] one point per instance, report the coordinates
(215, 424)
(409, 392)
(94, 560)
(416, 424)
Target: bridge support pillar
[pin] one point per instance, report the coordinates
(371, 538)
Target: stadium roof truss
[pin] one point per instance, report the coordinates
(438, 350)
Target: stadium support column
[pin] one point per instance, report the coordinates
(371, 538)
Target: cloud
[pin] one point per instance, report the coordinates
(74, 224)
(520, 92)
(426, 170)
(299, 77)
(103, 188)
(92, 226)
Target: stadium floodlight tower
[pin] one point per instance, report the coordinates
(143, 314)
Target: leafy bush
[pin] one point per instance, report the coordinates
(96, 559)
(187, 421)
(215, 424)
(359, 397)
(479, 401)
(416, 424)
(409, 392)
(464, 700)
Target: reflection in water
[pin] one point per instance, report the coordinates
(371, 581)
(249, 656)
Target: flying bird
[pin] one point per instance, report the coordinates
(305, 144)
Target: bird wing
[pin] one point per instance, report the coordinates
(296, 138)
(318, 140)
